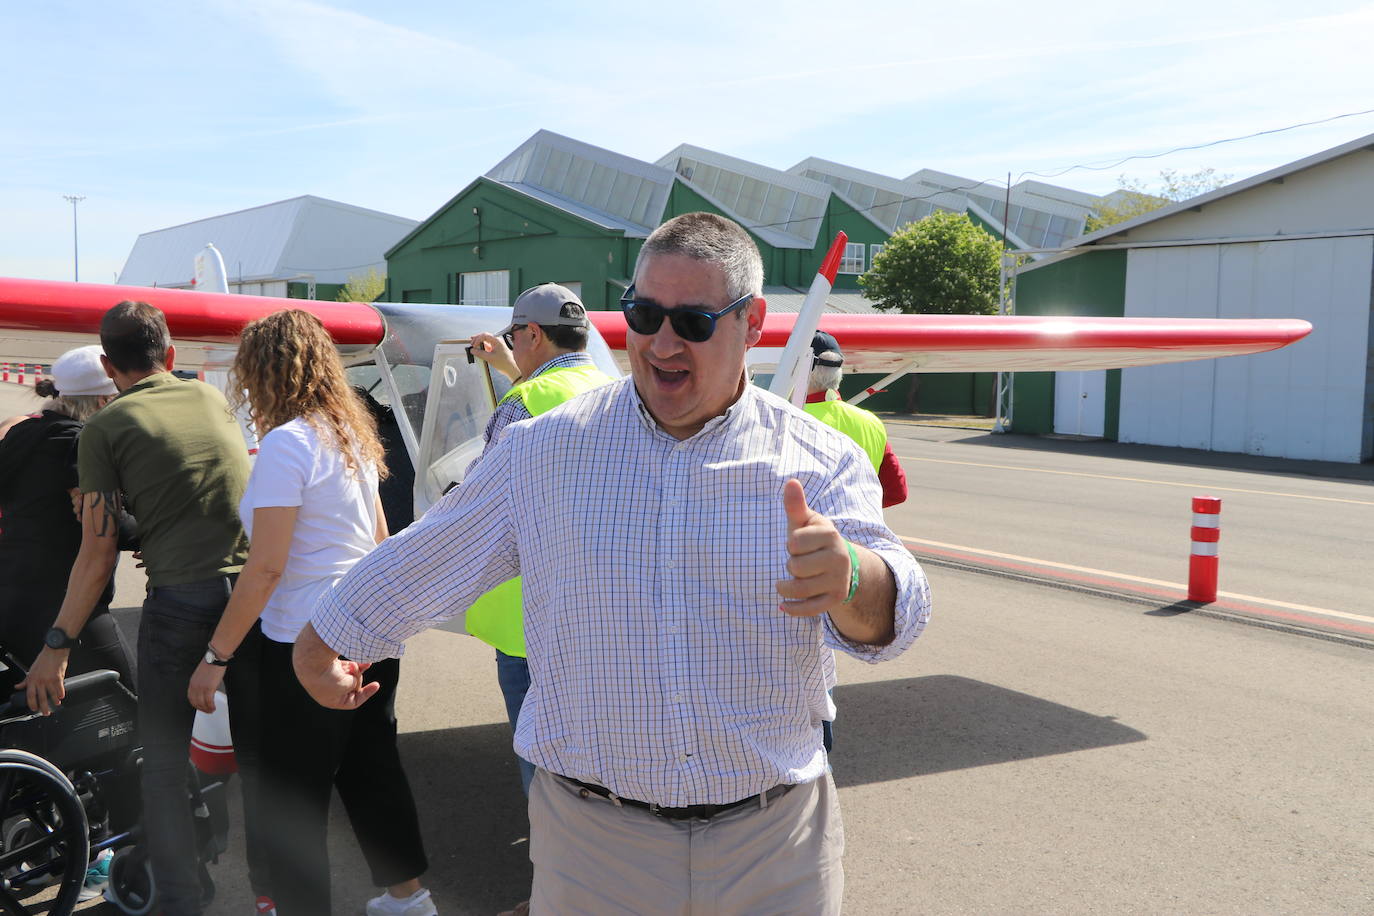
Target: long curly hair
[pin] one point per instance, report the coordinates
(286, 367)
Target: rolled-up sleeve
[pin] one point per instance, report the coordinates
(852, 501)
(464, 546)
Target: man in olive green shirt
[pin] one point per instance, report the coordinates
(172, 452)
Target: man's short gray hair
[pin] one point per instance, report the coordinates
(826, 378)
(714, 240)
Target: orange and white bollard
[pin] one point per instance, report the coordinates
(4, 372)
(1202, 564)
(22, 367)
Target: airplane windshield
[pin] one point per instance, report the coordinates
(462, 395)
(446, 399)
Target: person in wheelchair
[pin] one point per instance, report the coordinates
(39, 534)
(312, 510)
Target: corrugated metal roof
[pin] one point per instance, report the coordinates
(590, 214)
(604, 187)
(1032, 194)
(792, 220)
(1058, 193)
(1015, 240)
(842, 301)
(304, 238)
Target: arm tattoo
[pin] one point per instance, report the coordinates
(106, 505)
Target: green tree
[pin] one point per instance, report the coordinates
(943, 264)
(363, 287)
(1135, 198)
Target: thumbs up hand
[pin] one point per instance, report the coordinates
(819, 563)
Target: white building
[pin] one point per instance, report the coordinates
(279, 249)
(1294, 242)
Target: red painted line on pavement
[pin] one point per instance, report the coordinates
(1104, 582)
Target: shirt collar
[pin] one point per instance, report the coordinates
(746, 397)
(563, 361)
(152, 381)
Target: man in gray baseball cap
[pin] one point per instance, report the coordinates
(547, 305)
(542, 351)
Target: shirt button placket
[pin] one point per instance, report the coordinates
(673, 531)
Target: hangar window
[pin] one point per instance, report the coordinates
(487, 287)
(853, 260)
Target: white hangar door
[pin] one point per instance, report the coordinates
(1080, 403)
(1304, 401)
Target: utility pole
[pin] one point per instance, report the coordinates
(76, 261)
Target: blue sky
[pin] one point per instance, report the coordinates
(160, 113)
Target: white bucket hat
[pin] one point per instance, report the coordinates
(79, 372)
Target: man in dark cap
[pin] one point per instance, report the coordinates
(863, 426)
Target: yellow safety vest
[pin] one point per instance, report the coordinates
(497, 617)
(856, 423)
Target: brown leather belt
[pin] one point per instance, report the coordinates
(690, 812)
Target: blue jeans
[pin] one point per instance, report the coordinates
(178, 621)
(513, 673)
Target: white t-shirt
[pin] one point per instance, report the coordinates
(335, 526)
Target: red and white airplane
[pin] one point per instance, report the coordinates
(414, 357)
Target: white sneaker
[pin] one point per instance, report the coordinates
(417, 904)
(97, 876)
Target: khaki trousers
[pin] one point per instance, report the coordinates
(593, 857)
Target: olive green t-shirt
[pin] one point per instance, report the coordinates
(174, 450)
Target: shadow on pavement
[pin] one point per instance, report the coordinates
(918, 726)
(473, 816)
(1173, 610)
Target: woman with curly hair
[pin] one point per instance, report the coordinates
(311, 511)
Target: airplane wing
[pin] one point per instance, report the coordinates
(41, 319)
(1025, 343)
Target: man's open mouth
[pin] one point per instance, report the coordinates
(670, 378)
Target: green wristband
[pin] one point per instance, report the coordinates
(853, 572)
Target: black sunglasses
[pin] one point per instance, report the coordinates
(692, 325)
(509, 336)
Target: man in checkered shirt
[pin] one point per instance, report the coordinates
(693, 549)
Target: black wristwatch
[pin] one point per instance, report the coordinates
(212, 658)
(57, 638)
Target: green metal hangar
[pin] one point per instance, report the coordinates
(1294, 242)
(559, 210)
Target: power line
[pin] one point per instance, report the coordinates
(1183, 149)
(1086, 166)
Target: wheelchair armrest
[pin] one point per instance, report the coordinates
(18, 703)
(84, 683)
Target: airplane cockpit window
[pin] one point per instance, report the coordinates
(446, 398)
(462, 395)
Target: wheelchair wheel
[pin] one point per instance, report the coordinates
(131, 888)
(46, 831)
(18, 830)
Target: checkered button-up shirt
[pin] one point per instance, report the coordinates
(661, 665)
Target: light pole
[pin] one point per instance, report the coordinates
(76, 261)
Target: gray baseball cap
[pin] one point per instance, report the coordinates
(546, 305)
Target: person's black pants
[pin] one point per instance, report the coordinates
(178, 621)
(308, 751)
